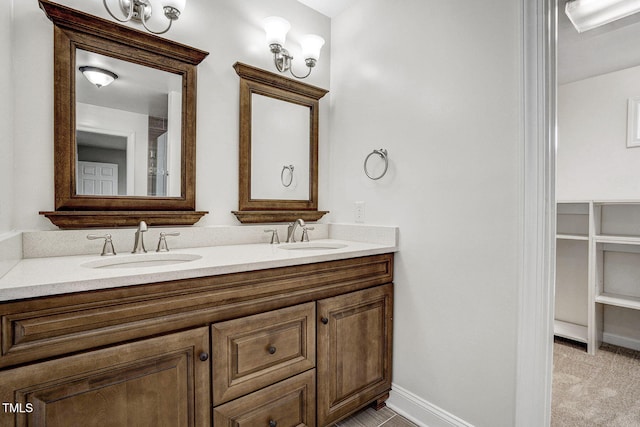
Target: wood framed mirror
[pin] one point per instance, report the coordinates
(278, 148)
(124, 152)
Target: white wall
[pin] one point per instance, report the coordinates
(593, 161)
(437, 84)
(229, 29)
(6, 119)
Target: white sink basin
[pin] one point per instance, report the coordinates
(141, 260)
(312, 246)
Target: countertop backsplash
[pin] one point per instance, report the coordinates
(40, 244)
(10, 251)
(17, 245)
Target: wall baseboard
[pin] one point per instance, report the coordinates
(421, 412)
(621, 341)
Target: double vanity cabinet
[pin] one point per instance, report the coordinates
(280, 347)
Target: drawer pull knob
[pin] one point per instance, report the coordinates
(204, 356)
(324, 320)
(272, 349)
(273, 423)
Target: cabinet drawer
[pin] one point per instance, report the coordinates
(255, 351)
(290, 403)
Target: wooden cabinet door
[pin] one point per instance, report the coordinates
(162, 381)
(354, 351)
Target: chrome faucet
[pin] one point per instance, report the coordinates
(107, 248)
(291, 238)
(138, 246)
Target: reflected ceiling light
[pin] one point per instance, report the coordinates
(276, 29)
(98, 76)
(140, 10)
(589, 14)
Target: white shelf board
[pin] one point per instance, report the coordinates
(619, 300)
(625, 240)
(572, 237)
(616, 202)
(570, 331)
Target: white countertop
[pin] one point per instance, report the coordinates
(36, 277)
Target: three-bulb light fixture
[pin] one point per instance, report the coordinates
(140, 10)
(276, 29)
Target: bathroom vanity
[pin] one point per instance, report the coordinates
(305, 341)
(232, 334)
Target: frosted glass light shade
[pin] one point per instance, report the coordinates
(176, 4)
(311, 45)
(276, 29)
(588, 14)
(98, 76)
(173, 9)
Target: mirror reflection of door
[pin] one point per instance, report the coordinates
(97, 179)
(102, 163)
(143, 107)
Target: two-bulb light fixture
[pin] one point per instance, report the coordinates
(140, 10)
(589, 14)
(98, 76)
(276, 29)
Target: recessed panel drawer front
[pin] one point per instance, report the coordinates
(255, 351)
(290, 403)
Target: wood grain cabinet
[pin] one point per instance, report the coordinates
(289, 403)
(156, 382)
(354, 351)
(294, 346)
(255, 351)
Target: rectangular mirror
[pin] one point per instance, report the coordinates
(125, 151)
(278, 147)
(128, 139)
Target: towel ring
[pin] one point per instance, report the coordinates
(382, 153)
(290, 168)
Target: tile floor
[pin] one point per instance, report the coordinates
(371, 418)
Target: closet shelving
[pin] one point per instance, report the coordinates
(597, 265)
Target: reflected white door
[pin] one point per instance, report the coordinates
(97, 178)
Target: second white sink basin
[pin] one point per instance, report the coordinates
(312, 246)
(141, 260)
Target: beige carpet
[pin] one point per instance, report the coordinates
(600, 390)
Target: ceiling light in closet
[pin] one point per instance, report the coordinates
(589, 14)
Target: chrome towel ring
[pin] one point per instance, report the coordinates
(382, 153)
(282, 178)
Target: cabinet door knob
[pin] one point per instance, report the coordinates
(324, 320)
(204, 356)
(272, 349)
(273, 423)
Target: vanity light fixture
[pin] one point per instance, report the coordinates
(140, 10)
(589, 14)
(276, 29)
(98, 76)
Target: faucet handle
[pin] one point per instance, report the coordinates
(107, 248)
(162, 243)
(305, 234)
(274, 236)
